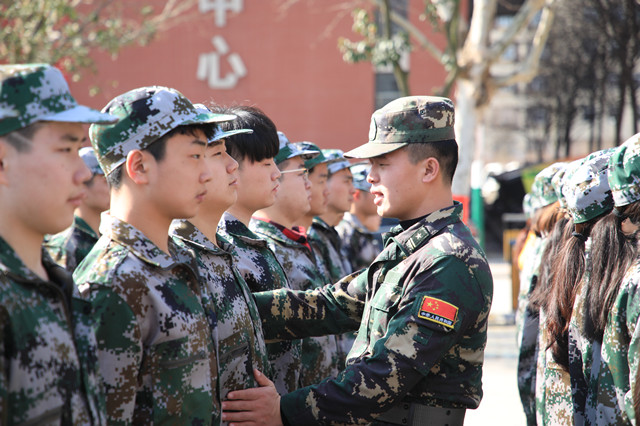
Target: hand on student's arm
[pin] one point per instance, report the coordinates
(255, 406)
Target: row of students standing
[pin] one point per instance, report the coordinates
(579, 304)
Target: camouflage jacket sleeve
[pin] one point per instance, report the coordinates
(332, 309)
(383, 374)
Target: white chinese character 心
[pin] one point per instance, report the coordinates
(209, 66)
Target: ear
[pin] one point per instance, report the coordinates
(137, 166)
(357, 195)
(431, 170)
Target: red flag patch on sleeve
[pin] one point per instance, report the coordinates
(438, 311)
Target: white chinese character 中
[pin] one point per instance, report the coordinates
(221, 7)
(209, 66)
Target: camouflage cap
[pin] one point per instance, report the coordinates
(289, 150)
(411, 119)
(219, 133)
(336, 160)
(360, 171)
(88, 155)
(311, 160)
(146, 114)
(527, 207)
(624, 177)
(39, 92)
(586, 187)
(542, 190)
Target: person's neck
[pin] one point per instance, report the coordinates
(371, 222)
(207, 223)
(145, 218)
(277, 216)
(332, 217)
(27, 244)
(241, 213)
(90, 216)
(306, 221)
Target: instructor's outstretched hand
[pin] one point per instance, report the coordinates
(255, 406)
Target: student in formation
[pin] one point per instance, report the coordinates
(257, 187)
(48, 374)
(69, 247)
(277, 224)
(154, 322)
(358, 230)
(240, 343)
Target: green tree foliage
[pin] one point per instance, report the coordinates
(64, 32)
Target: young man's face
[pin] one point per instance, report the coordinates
(44, 185)
(319, 190)
(295, 190)
(179, 183)
(222, 188)
(395, 185)
(257, 184)
(98, 194)
(341, 191)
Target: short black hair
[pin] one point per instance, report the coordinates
(263, 143)
(158, 148)
(446, 152)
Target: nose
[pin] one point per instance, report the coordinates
(205, 172)
(232, 165)
(307, 183)
(275, 173)
(82, 173)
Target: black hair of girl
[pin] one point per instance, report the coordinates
(612, 252)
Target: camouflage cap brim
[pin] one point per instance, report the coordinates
(221, 134)
(360, 172)
(310, 161)
(81, 114)
(373, 149)
(623, 172)
(289, 150)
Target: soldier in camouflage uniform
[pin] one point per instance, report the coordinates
(241, 346)
(418, 355)
(276, 224)
(48, 371)
(154, 320)
(587, 198)
(543, 195)
(618, 360)
(358, 230)
(69, 247)
(257, 186)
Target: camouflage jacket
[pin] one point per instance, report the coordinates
(620, 355)
(422, 333)
(527, 326)
(261, 271)
(584, 364)
(359, 245)
(321, 357)
(554, 405)
(70, 246)
(241, 346)
(48, 369)
(156, 348)
(326, 243)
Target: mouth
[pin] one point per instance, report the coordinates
(377, 197)
(200, 196)
(76, 200)
(234, 182)
(275, 188)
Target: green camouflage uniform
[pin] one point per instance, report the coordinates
(422, 332)
(359, 245)
(320, 355)
(620, 354)
(241, 346)
(70, 246)
(156, 347)
(326, 243)
(48, 370)
(261, 271)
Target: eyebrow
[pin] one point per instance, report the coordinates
(68, 137)
(202, 143)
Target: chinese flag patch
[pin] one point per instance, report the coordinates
(438, 311)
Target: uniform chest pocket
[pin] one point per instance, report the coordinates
(383, 306)
(181, 380)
